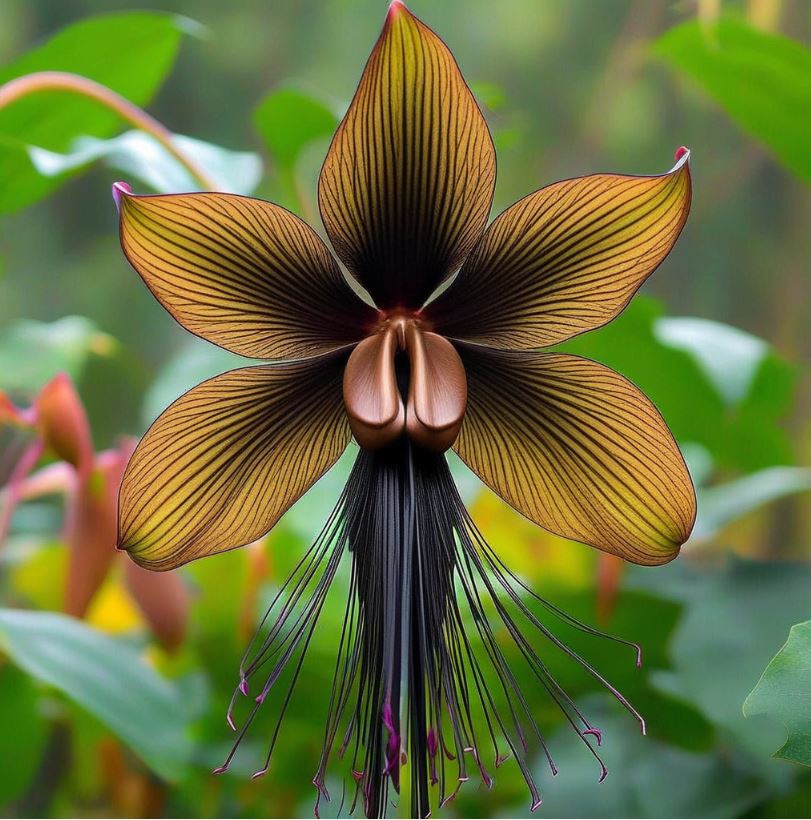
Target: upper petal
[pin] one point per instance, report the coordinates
(407, 185)
(223, 463)
(565, 259)
(577, 449)
(242, 273)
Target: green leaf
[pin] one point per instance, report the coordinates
(733, 618)
(727, 356)
(23, 736)
(653, 353)
(646, 777)
(719, 505)
(33, 352)
(141, 155)
(291, 122)
(762, 80)
(129, 53)
(288, 120)
(106, 678)
(784, 692)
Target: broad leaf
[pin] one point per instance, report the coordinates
(106, 678)
(725, 639)
(727, 356)
(688, 392)
(33, 352)
(23, 736)
(129, 53)
(646, 777)
(784, 692)
(288, 120)
(137, 154)
(762, 80)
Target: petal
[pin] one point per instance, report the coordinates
(565, 259)
(222, 464)
(407, 184)
(579, 450)
(242, 273)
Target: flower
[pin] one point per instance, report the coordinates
(56, 424)
(405, 194)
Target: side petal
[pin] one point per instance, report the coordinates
(577, 449)
(223, 463)
(407, 185)
(565, 259)
(242, 273)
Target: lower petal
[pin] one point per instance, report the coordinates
(223, 463)
(577, 449)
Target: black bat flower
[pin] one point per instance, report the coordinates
(405, 194)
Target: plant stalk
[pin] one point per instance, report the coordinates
(75, 84)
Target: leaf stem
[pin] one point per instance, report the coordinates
(76, 84)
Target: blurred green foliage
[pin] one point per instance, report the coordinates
(98, 719)
(784, 683)
(129, 53)
(763, 80)
(105, 677)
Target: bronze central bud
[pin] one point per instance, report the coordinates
(424, 397)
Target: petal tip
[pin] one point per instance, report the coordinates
(120, 188)
(664, 556)
(682, 156)
(395, 7)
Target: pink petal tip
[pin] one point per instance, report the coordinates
(118, 189)
(680, 152)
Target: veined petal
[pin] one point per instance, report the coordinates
(579, 450)
(222, 464)
(242, 273)
(407, 185)
(565, 259)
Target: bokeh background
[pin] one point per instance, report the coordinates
(121, 712)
